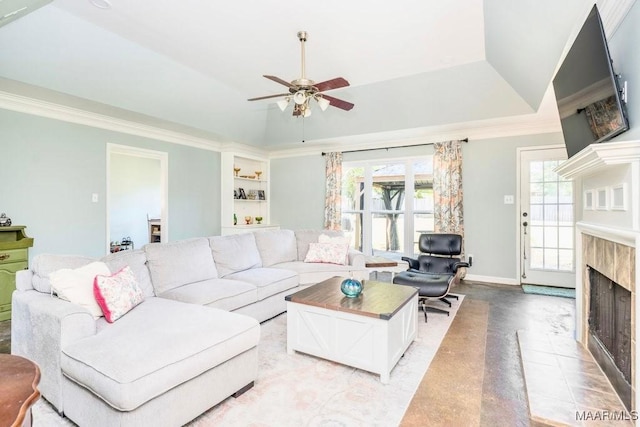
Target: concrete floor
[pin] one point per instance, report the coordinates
(486, 379)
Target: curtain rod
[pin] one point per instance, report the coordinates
(388, 148)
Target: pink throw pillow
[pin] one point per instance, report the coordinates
(117, 294)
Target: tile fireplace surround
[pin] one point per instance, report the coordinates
(607, 188)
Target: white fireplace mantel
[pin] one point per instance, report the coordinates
(598, 171)
(597, 156)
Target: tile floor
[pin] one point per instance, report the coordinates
(496, 353)
(564, 384)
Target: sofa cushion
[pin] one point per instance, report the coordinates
(219, 293)
(137, 260)
(304, 237)
(117, 294)
(177, 263)
(311, 273)
(269, 281)
(76, 285)
(236, 252)
(276, 246)
(43, 265)
(156, 347)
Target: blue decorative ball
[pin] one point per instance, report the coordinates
(351, 287)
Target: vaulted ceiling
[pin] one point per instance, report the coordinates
(415, 66)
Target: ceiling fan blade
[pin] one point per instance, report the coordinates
(279, 80)
(339, 103)
(336, 83)
(268, 96)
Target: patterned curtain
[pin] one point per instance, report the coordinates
(332, 204)
(447, 187)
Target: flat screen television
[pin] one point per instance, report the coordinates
(588, 91)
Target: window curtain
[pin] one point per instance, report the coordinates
(333, 199)
(447, 187)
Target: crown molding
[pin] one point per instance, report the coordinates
(597, 156)
(486, 129)
(64, 113)
(613, 13)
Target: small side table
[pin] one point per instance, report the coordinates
(18, 390)
(377, 264)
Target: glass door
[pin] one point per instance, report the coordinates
(546, 220)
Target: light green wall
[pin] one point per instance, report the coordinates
(623, 46)
(49, 170)
(489, 173)
(297, 192)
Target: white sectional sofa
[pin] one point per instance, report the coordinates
(189, 345)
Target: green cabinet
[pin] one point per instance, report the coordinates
(14, 256)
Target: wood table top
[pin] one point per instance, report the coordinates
(378, 299)
(378, 261)
(18, 388)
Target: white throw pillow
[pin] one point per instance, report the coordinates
(76, 285)
(331, 253)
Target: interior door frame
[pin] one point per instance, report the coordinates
(163, 157)
(518, 218)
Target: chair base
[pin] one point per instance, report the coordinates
(423, 305)
(445, 299)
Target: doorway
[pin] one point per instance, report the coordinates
(546, 219)
(137, 189)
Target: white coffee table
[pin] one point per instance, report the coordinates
(370, 332)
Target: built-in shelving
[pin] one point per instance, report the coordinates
(245, 193)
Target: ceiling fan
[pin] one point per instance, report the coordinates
(302, 90)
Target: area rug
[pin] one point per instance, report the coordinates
(549, 290)
(302, 390)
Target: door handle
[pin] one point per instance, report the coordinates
(4, 256)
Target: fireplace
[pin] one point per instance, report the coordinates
(610, 331)
(607, 187)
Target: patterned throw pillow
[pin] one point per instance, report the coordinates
(331, 253)
(117, 294)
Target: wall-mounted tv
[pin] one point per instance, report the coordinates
(588, 91)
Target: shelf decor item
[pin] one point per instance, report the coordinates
(258, 173)
(259, 219)
(4, 221)
(247, 219)
(351, 287)
(236, 170)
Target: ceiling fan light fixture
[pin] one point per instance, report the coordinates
(300, 97)
(306, 112)
(101, 4)
(282, 104)
(323, 103)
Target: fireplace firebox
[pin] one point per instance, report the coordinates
(610, 331)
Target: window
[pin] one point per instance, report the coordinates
(551, 206)
(387, 204)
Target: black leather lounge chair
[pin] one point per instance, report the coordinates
(436, 269)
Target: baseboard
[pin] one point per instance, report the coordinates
(492, 279)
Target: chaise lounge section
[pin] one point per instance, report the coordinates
(190, 344)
